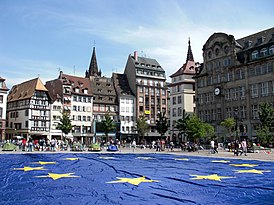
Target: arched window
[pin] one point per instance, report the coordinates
(271, 50)
(263, 52)
(254, 55)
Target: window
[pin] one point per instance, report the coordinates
(254, 55)
(179, 111)
(255, 114)
(264, 89)
(263, 52)
(174, 112)
(271, 50)
(254, 90)
(1, 113)
(26, 112)
(1, 98)
(179, 99)
(141, 99)
(174, 100)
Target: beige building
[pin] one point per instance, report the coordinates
(182, 93)
(147, 80)
(236, 76)
(3, 107)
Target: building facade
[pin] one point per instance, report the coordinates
(28, 110)
(72, 94)
(182, 93)
(147, 80)
(126, 104)
(3, 107)
(236, 76)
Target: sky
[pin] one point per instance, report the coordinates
(38, 38)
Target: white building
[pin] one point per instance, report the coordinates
(127, 104)
(182, 93)
(3, 107)
(72, 94)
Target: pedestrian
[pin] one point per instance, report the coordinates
(244, 147)
(212, 145)
(30, 144)
(133, 144)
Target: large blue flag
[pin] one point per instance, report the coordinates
(133, 179)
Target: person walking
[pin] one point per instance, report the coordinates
(244, 147)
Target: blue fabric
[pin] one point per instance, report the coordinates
(175, 184)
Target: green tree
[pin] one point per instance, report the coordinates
(108, 125)
(228, 124)
(197, 129)
(161, 124)
(181, 124)
(65, 123)
(142, 126)
(266, 116)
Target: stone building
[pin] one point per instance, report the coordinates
(147, 80)
(236, 76)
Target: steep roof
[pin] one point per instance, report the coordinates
(121, 84)
(4, 86)
(258, 39)
(148, 63)
(77, 82)
(26, 90)
(189, 67)
(93, 66)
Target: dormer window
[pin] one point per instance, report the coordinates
(99, 90)
(271, 50)
(217, 51)
(263, 52)
(109, 91)
(209, 54)
(254, 55)
(77, 90)
(86, 91)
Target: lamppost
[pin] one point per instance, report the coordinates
(236, 117)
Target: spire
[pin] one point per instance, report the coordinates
(93, 67)
(189, 52)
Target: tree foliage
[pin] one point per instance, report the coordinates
(195, 128)
(266, 116)
(161, 124)
(142, 126)
(108, 125)
(181, 124)
(228, 124)
(65, 123)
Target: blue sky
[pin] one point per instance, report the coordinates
(40, 37)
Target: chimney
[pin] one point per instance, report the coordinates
(135, 56)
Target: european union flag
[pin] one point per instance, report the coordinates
(97, 178)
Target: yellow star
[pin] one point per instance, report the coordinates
(107, 157)
(26, 169)
(144, 158)
(181, 159)
(220, 161)
(244, 165)
(134, 181)
(58, 176)
(215, 177)
(40, 162)
(72, 159)
(254, 171)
